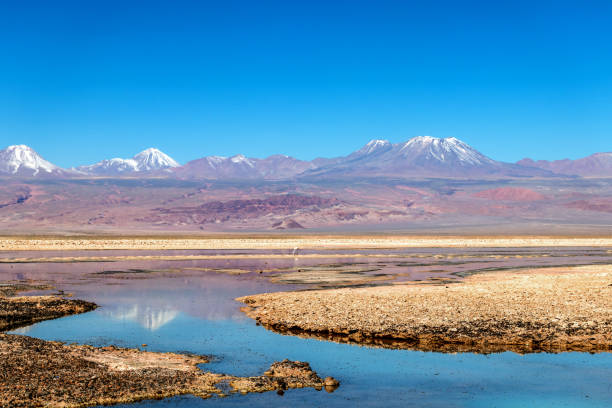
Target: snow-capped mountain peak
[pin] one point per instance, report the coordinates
(423, 140)
(443, 150)
(374, 145)
(154, 159)
(240, 158)
(214, 161)
(148, 160)
(19, 158)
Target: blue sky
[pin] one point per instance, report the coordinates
(85, 80)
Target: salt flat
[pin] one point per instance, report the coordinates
(255, 242)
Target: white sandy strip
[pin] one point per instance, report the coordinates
(313, 242)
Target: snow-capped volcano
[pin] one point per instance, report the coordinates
(149, 160)
(23, 160)
(154, 159)
(421, 156)
(424, 150)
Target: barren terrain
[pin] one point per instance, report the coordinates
(106, 205)
(552, 309)
(291, 242)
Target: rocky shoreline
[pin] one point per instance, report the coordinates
(37, 373)
(22, 311)
(551, 310)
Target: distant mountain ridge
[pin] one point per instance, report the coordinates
(275, 167)
(596, 165)
(421, 156)
(149, 160)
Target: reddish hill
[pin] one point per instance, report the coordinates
(510, 194)
(287, 224)
(221, 211)
(600, 205)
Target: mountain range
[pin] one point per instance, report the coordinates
(419, 157)
(424, 184)
(594, 165)
(147, 161)
(276, 167)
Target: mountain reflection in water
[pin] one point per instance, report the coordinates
(148, 317)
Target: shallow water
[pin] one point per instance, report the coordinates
(181, 309)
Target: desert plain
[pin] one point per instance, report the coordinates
(294, 241)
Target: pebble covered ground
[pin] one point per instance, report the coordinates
(25, 310)
(552, 309)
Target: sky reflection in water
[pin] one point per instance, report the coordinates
(196, 313)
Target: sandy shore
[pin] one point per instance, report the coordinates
(37, 373)
(291, 242)
(552, 309)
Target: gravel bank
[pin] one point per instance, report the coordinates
(552, 309)
(25, 310)
(38, 373)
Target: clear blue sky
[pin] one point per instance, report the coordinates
(85, 80)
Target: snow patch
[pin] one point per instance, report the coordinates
(239, 158)
(373, 146)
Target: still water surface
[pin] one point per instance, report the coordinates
(181, 309)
